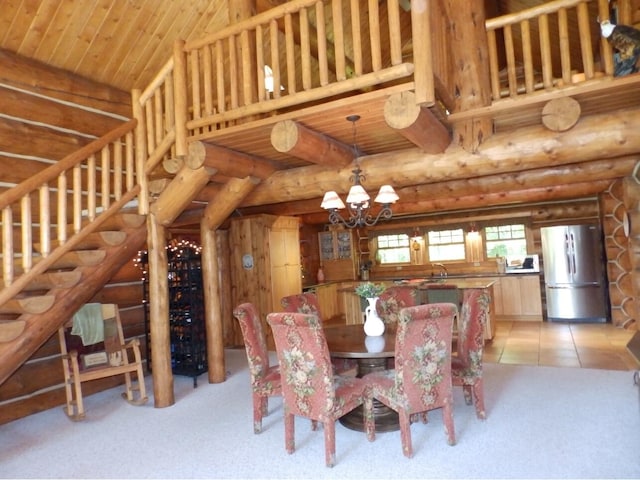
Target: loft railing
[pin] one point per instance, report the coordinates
(307, 50)
(42, 217)
(521, 47)
(321, 49)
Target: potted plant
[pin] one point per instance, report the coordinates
(369, 289)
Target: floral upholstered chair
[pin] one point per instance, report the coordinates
(466, 367)
(421, 380)
(307, 302)
(393, 299)
(309, 388)
(265, 379)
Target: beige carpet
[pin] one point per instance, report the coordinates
(543, 422)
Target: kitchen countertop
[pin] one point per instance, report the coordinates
(454, 278)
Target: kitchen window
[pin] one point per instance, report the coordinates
(393, 249)
(446, 245)
(506, 241)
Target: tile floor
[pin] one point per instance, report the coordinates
(560, 344)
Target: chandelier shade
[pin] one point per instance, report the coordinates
(386, 195)
(331, 200)
(357, 194)
(358, 203)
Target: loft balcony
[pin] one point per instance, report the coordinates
(316, 62)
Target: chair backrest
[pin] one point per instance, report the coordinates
(475, 308)
(393, 299)
(423, 355)
(95, 327)
(255, 342)
(306, 302)
(305, 364)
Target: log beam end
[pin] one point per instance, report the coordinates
(561, 114)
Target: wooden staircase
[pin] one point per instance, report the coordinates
(89, 233)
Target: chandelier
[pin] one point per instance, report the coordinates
(358, 199)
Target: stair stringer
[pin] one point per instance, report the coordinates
(40, 327)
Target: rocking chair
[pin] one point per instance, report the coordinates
(92, 347)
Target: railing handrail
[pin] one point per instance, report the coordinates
(530, 13)
(274, 13)
(51, 173)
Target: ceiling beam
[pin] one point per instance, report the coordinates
(534, 147)
(411, 198)
(298, 141)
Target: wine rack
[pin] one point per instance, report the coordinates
(186, 311)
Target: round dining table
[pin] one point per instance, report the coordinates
(371, 354)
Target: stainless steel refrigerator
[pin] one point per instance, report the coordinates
(575, 282)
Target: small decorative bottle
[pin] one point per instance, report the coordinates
(320, 276)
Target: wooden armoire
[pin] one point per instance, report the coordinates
(265, 264)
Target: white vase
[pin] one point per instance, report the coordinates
(374, 344)
(373, 324)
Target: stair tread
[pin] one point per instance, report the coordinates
(49, 280)
(36, 304)
(93, 241)
(10, 330)
(77, 258)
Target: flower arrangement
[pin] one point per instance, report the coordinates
(369, 289)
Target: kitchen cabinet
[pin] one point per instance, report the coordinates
(518, 298)
(339, 303)
(337, 257)
(265, 264)
(330, 308)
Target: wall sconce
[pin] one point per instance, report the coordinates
(474, 243)
(417, 244)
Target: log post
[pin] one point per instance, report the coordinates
(180, 97)
(417, 124)
(212, 304)
(294, 139)
(472, 85)
(159, 314)
(422, 52)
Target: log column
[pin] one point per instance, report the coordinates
(162, 374)
(472, 88)
(213, 309)
(177, 195)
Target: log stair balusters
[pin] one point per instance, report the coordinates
(40, 295)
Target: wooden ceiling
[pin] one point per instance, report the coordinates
(124, 43)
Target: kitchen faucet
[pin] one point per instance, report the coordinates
(443, 270)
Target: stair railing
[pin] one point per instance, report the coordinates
(88, 185)
(156, 142)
